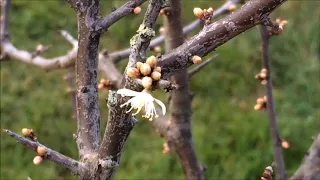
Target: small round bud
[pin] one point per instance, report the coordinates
(278, 20)
(133, 73)
(264, 70)
(155, 75)
(232, 7)
(264, 82)
(41, 151)
(196, 59)
(162, 30)
(139, 64)
(37, 160)
(166, 148)
(137, 10)
(198, 12)
(285, 144)
(269, 168)
(158, 69)
(145, 69)
(162, 11)
(260, 101)
(263, 75)
(26, 132)
(265, 98)
(100, 86)
(210, 10)
(157, 49)
(257, 76)
(146, 82)
(258, 107)
(103, 81)
(152, 61)
(39, 48)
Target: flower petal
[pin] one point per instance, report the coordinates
(162, 106)
(127, 92)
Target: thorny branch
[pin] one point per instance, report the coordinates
(278, 157)
(60, 159)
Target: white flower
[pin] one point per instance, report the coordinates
(141, 99)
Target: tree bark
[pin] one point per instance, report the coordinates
(179, 133)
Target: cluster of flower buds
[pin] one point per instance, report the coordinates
(267, 174)
(105, 84)
(29, 133)
(196, 59)
(262, 76)
(42, 152)
(203, 14)
(148, 72)
(281, 23)
(261, 103)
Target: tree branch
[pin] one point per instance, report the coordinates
(200, 66)
(88, 114)
(104, 23)
(179, 134)
(216, 34)
(122, 54)
(310, 167)
(74, 166)
(8, 49)
(121, 123)
(278, 157)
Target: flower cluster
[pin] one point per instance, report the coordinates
(261, 103)
(203, 14)
(147, 72)
(267, 173)
(262, 76)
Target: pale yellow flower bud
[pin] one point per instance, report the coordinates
(152, 61)
(196, 59)
(145, 69)
(198, 12)
(147, 82)
(155, 75)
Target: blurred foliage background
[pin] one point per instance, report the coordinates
(231, 139)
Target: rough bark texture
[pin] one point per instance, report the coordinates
(88, 134)
(274, 131)
(179, 133)
(216, 34)
(121, 123)
(310, 166)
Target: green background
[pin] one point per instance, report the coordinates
(231, 139)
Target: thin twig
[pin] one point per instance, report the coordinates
(48, 64)
(60, 159)
(278, 157)
(104, 23)
(200, 66)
